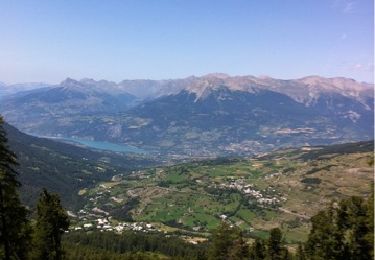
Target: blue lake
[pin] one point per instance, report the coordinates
(102, 145)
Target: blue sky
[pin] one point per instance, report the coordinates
(50, 40)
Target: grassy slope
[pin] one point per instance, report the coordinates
(188, 196)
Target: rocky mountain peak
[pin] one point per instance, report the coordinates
(334, 83)
(98, 83)
(70, 83)
(216, 75)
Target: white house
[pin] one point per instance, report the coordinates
(223, 216)
(87, 225)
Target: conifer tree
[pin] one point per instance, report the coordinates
(275, 249)
(354, 223)
(300, 255)
(14, 227)
(370, 222)
(52, 221)
(239, 249)
(257, 250)
(343, 231)
(222, 241)
(326, 240)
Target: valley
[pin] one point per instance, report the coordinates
(179, 157)
(64, 168)
(210, 116)
(187, 130)
(107, 146)
(280, 189)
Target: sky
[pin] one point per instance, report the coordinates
(49, 41)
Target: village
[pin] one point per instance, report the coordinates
(106, 225)
(92, 217)
(101, 220)
(106, 199)
(264, 198)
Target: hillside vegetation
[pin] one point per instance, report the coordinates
(63, 168)
(281, 189)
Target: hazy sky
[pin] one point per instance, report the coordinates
(48, 40)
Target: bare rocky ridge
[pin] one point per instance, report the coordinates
(305, 90)
(212, 115)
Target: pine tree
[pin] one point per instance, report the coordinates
(326, 240)
(222, 241)
(343, 231)
(239, 249)
(370, 222)
(14, 226)
(300, 255)
(257, 250)
(353, 220)
(52, 221)
(275, 249)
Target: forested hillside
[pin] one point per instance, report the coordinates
(64, 168)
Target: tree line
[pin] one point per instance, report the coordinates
(128, 245)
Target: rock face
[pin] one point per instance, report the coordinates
(304, 90)
(210, 115)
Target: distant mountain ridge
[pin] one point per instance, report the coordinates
(69, 98)
(9, 89)
(210, 115)
(302, 90)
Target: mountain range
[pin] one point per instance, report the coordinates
(212, 115)
(9, 89)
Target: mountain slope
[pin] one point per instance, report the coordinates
(22, 87)
(203, 116)
(226, 122)
(63, 168)
(71, 97)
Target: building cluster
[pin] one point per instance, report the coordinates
(105, 224)
(266, 197)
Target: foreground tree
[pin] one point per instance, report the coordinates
(239, 249)
(275, 248)
(227, 243)
(257, 250)
(370, 222)
(14, 227)
(343, 231)
(52, 221)
(352, 219)
(300, 255)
